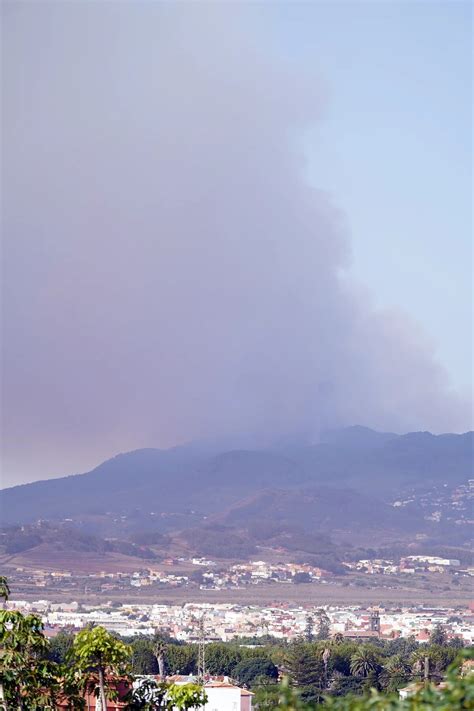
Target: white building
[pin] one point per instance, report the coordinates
(223, 696)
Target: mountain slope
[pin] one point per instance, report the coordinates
(362, 470)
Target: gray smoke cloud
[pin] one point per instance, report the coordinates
(168, 272)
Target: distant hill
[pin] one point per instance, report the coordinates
(345, 483)
(357, 436)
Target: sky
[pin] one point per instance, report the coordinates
(410, 66)
(247, 221)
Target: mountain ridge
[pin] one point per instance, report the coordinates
(181, 478)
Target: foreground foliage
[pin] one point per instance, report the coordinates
(150, 695)
(35, 677)
(28, 680)
(457, 693)
(96, 651)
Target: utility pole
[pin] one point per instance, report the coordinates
(201, 652)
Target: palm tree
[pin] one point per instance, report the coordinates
(428, 662)
(159, 651)
(325, 656)
(395, 673)
(364, 661)
(417, 663)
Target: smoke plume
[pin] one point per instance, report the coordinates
(169, 273)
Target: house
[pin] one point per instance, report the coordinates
(224, 696)
(423, 635)
(417, 686)
(221, 694)
(411, 689)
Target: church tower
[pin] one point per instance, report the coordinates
(375, 620)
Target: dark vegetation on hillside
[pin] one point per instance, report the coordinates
(14, 540)
(228, 505)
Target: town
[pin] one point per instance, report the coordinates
(205, 574)
(228, 621)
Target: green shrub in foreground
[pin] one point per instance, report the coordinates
(457, 693)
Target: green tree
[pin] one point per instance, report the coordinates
(439, 659)
(456, 643)
(341, 653)
(299, 578)
(404, 646)
(28, 680)
(60, 647)
(309, 629)
(186, 696)
(341, 685)
(22, 643)
(364, 661)
(395, 673)
(306, 670)
(248, 670)
(324, 624)
(458, 693)
(181, 658)
(438, 636)
(267, 697)
(143, 659)
(222, 658)
(96, 650)
(197, 576)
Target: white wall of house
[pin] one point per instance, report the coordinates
(225, 698)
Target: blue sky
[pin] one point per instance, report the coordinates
(395, 151)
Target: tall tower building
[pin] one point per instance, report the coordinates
(375, 620)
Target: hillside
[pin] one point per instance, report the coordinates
(345, 485)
